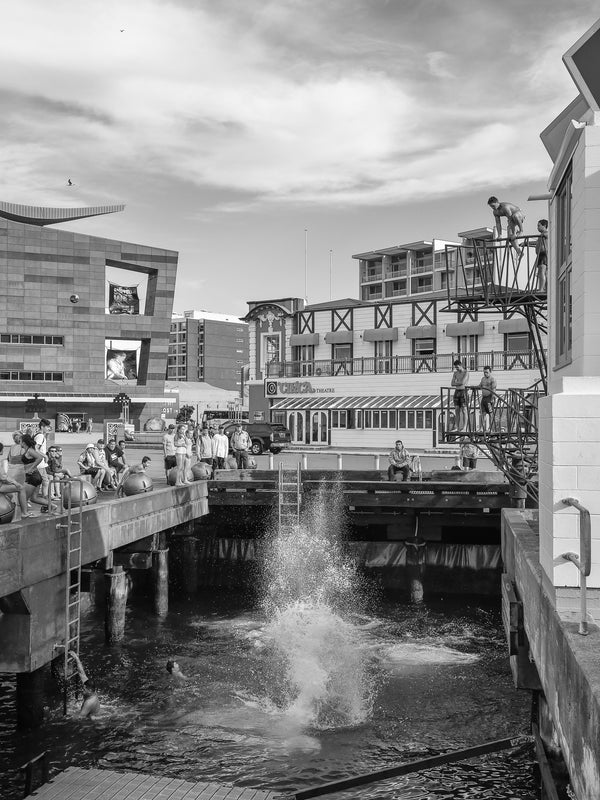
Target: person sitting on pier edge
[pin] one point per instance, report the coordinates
(55, 468)
(8, 486)
(115, 457)
(88, 465)
(174, 669)
(31, 458)
(468, 453)
(91, 703)
(136, 469)
(241, 444)
(460, 379)
(110, 474)
(399, 462)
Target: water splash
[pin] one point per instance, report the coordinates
(311, 592)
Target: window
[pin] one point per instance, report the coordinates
(305, 353)
(16, 375)
(417, 419)
(564, 301)
(339, 419)
(518, 351)
(29, 338)
(424, 284)
(271, 348)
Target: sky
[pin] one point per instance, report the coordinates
(231, 127)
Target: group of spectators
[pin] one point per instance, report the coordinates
(188, 443)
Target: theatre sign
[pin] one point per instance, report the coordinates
(275, 388)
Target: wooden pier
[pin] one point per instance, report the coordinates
(102, 784)
(366, 489)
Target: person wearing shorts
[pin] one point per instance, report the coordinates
(460, 378)
(514, 220)
(486, 405)
(169, 449)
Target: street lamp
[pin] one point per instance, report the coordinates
(124, 401)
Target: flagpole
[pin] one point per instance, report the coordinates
(306, 265)
(330, 273)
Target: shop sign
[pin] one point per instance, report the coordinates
(275, 388)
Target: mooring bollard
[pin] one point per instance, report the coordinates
(304, 461)
(339, 461)
(271, 461)
(376, 458)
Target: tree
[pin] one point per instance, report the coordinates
(185, 414)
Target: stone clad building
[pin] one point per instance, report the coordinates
(82, 318)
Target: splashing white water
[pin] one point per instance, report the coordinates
(310, 592)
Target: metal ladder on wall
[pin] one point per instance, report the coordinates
(290, 496)
(74, 526)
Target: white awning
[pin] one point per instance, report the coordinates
(416, 401)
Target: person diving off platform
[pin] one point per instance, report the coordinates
(515, 219)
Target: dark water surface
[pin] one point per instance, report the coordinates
(439, 679)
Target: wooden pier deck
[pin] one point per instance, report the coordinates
(102, 784)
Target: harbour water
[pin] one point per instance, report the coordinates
(440, 677)
(311, 676)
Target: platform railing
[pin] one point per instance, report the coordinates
(393, 365)
(583, 562)
(493, 270)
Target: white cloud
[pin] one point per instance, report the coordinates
(189, 93)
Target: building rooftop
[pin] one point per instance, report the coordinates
(210, 315)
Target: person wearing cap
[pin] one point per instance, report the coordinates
(88, 465)
(169, 449)
(136, 469)
(220, 448)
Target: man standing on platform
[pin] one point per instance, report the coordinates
(515, 219)
(399, 462)
(460, 379)
(488, 388)
(241, 444)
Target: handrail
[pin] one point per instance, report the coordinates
(583, 562)
(27, 768)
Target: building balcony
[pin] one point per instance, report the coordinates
(420, 268)
(394, 365)
(396, 273)
(371, 277)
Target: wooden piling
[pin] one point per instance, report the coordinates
(97, 588)
(30, 698)
(115, 581)
(190, 565)
(160, 573)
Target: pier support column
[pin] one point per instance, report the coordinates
(30, 698)
(415, 562)
(160, 574)
(97, 588)
(115, 582)
(190, 565)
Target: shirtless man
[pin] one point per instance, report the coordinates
(91, 704)
(515, 219)
(174, 670)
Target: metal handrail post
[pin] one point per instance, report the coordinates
(583, 562)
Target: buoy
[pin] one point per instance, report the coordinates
(138, 483)
(83, 490)
(201, 471)
(172, 476)
(7, 509)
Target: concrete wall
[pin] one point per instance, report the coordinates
(567, 663)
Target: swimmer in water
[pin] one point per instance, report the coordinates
(91, 703)
(174, 669)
